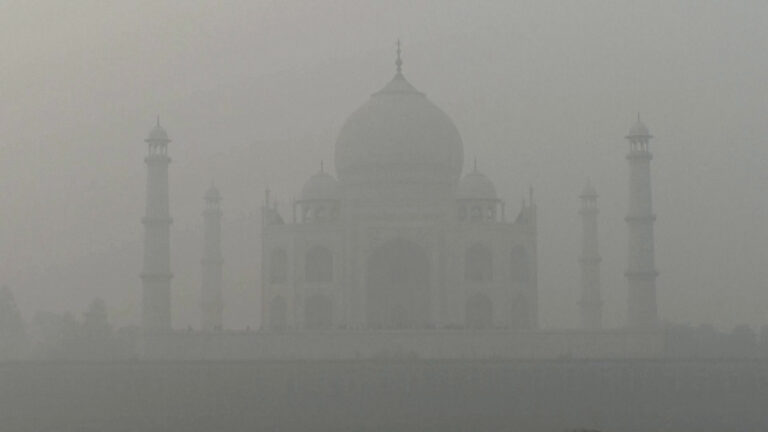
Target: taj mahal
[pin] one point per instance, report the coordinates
(400, 254)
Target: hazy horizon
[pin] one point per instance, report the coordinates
(254, 93)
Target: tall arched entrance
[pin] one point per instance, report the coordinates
(398, 286)
(318, 313)
(479, 312)
(278, 315)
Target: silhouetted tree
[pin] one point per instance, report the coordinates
(13, 335)
(56, 335)
(704, 341)
(61, 336)
(96, 339)
(742, 341)
(95, 322)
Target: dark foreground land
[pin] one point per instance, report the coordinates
(396, 395)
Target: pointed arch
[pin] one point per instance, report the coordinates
(478, 263)
(397, 282)
(479, 312)
(519, 265)
(318, 312)
(278, 266)
(318, 265)
(522, 316)
(278, 313)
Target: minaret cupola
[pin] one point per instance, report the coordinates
(157, 139)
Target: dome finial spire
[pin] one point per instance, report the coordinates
(399, 61)
(322, 166)
(158, 120)
(475, 164)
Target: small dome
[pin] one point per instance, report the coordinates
(639, 129)
(158, 133)
(476, 185)
(212, 194)
(321, 186)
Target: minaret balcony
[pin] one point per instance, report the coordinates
(639, 155)
(157, 159)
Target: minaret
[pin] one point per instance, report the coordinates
(211, 304)
(591, 303)
(641, 270)
(399, 61)
(156, 274)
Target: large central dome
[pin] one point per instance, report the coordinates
(399, 136)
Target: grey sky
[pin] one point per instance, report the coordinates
(255, 92)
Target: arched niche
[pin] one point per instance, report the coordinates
(318, 312)
(479, 312)
(278, 313)
(478, 263)
(278, 266)
(397, 285)
(318, 265)
(519, 265)
(522, 313)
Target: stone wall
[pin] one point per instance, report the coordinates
(428, 344)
